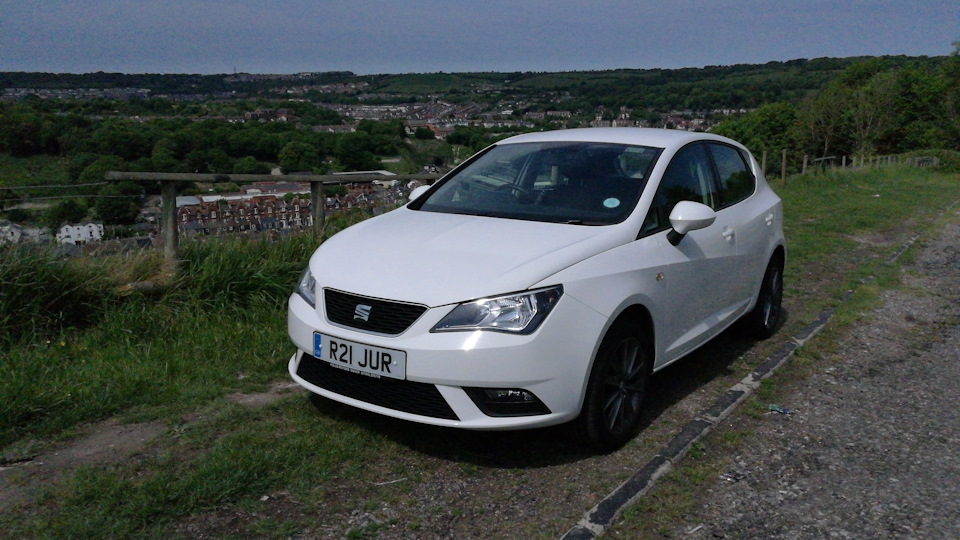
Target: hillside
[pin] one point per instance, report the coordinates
(710, 87)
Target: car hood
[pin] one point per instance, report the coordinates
(437, 259)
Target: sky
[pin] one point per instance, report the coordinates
(428, 36)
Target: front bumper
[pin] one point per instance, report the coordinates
(441, 368)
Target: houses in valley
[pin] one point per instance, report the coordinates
(263, 207)
(259, 213)
(80, 233)
(13, 233)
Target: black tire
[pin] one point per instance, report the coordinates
(763, 320)
(612, 406)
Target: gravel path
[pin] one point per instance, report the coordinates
(871, 445)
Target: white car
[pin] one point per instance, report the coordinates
(543, 281)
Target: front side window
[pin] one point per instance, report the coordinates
(561, 182)
(689, 177)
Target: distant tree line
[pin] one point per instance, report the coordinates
(874, 107)
(710, 87)
(176, 83)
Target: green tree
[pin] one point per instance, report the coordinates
(298, 156)
(474, 138)
(822, 122)
(950, 73)
(122, 138)
(21, 132)
(163, 159)
(250, 165)
(65, 211)
(767, 129)
(118, 204)
(353, 152)
(79, 162)
(871, 111)
(423, 134)
(97, 170)
(389, 128)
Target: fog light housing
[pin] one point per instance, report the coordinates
(500, 402)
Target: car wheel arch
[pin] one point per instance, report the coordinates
(757, 322)
(635, 313)
(610, 406)
(779, 254)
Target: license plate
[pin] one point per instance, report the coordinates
(359, 357)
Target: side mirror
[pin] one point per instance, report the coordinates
(418, 191)
(689, 216)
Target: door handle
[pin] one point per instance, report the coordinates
(728, 233)
(769, 218)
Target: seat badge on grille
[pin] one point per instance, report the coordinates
(362, 312)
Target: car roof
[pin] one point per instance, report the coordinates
(658, 138)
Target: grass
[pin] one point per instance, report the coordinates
(842, 226)
(210, 465)
(81, 346)
(78, 346)
(42, 293)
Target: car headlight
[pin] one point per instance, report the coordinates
(519, 313)
(307, 287)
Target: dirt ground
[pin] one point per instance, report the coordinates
(869, 445)
(868, 451)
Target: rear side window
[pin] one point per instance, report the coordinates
(736, 181)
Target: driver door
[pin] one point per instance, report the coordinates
(700, 272)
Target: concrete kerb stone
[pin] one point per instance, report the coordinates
(602, 516)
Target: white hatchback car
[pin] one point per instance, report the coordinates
(543, 281)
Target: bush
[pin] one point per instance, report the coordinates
(949, 159)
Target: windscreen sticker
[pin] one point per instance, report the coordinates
(611, 202)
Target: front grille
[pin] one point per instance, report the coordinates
(371, 314)
(405, 396)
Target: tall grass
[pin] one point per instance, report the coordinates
(79, 347)
(42, 293)
(233, 273)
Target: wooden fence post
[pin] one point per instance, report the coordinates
(783, 166)
(805, 158)
(318, 205)
(763, 163)
(168, 223)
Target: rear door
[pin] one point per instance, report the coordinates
(751, 214)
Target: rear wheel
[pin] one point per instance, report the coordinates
(612, 405)
(762, 322)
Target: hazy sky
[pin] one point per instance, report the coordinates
(405, 36)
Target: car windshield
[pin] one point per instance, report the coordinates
(562, 182)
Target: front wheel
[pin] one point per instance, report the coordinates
(612, 406)
(762, 322)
